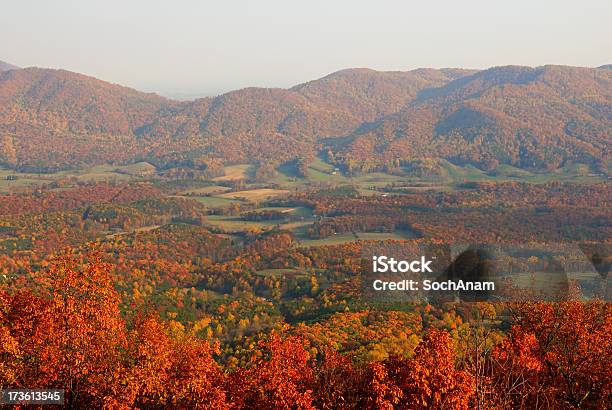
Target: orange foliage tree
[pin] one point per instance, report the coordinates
(558, 353)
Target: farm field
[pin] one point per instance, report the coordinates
(234, 224)
(319, 172)
(254, 195)
(194, 246)
(213, 201)
(207, 190)
(236, 172)
(12, 180)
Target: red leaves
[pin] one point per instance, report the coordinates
(69, 339)
(175, 372)
(282, 379)
(76, 339)
(71, 335)
(560, 351)
(430, 379)
(78, 197)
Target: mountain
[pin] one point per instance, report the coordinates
(6, 66)
(265, 125)
(368, 94)
(365, 119)
(527, 117)
(51, 119)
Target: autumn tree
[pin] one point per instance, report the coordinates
(281, 378)
(430, 379)
(173, 370)
(70, 337)
(558, 353)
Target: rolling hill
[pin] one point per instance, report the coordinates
(6, 66)
(365, 119)
(526, 117)
(53, 119)
(257, 124)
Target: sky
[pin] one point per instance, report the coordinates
(189, 48)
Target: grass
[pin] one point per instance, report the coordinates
(297, 219)
(97, 173)
(254, 195)
(236, 172)
(352, 237)
(299, 211)
(207, 190)
(332, 240)
(214, 201)
(508, 171)
(287, 176)
(320, 171)
(384, 236)
(455, 173)
(139, 168)
(368, 192)
(23, 180)
(233, 224)
(574, 172)
(550, 285)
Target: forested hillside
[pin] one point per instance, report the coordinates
(531, 118)
(6, 66)
(364, 120)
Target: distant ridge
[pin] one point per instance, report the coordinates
(522, 116)
(360, 119)
(6, 66)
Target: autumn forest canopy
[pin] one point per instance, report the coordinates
(362, 120)
(217, 253)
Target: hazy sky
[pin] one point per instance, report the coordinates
(206, 47)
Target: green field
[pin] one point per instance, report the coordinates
(214, 201)
(234, 224)
(236, 172)
(319, 172)
(254, 195)
(579, 173)
(207, 190)
(384, 236)
(357, 236)
(294, 219)
(295, 212)
(97, 173)
(137, 169)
